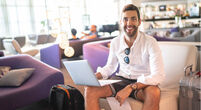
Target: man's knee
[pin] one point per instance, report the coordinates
(152, 92)
(97, 92)
(90, 91)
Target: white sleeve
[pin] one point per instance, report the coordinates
(156, 66)
(112, 63)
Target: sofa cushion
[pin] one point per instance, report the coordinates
(176, 56)
(4, 70)
(16, 77)
(167, 98)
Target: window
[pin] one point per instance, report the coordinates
(22, 17)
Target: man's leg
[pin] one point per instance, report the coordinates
(92, 95)
(151, 97)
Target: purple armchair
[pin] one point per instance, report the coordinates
(51, 55)
(96, 53)
(37, 87)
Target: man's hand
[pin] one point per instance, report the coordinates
(98, 75)
(123, 94)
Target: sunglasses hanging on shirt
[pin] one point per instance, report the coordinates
(126, 58)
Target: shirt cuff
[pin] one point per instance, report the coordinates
(103, 73)
(148, 80)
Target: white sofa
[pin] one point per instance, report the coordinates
(176, 56)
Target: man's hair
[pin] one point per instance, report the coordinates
(94, 26)
(131, 7)
(73, 31)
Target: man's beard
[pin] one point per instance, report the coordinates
(133, 32)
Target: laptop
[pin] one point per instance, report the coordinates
(82, 74)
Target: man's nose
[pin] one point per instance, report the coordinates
(129, 22)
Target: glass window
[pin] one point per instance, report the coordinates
(22, 2)
(30, 16)
(2, 28)
(12, 14)
(10, 2)
(14, 28)
(24, 19)
(39, 17)
(40, 3)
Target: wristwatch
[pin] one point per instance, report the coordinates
(134, 86)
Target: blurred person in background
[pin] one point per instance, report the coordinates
(92, 34)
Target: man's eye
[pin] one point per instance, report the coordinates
(133, 19)
(125, 19)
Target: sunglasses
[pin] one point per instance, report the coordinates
(126, 58)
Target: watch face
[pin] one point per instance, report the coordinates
(134, 86)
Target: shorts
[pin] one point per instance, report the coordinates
(120, 85)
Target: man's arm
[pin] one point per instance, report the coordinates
(123, 94)
(91, 36)
(157, 73)
(85, 34)
(88, 37)
(112, 63)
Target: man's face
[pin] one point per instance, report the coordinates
(93, 28)
(130, 23)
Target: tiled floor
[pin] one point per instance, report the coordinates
(43, 104)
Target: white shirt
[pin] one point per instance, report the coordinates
(145, 65)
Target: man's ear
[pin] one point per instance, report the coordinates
(120, 21)
(139, 22)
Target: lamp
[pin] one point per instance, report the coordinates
(69, 51)
(63, 37)
(64, 44)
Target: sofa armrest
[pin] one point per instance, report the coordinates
(42, 39)
(96, 53)
(51, 55)
(21, 40)
(1, 53)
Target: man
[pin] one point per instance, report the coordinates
(74, 32)
(141, 67)
(93, 33)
